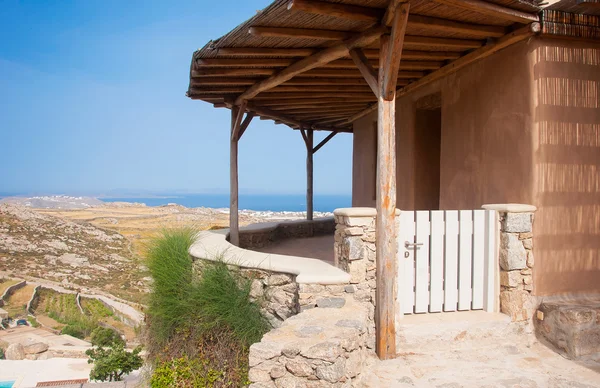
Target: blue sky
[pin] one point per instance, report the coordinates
(92, 99)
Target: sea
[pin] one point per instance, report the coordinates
(258, 202)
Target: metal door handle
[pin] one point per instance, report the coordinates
(409, 245)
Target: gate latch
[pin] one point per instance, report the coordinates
(409, 245)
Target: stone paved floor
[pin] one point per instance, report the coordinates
(490, 363)
(319, 247)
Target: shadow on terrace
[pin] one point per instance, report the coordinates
(313, 239)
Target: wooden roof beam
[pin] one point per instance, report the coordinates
(322, 57)
(264, 51)
(300, 33)
(428, 41)
(346, 96)
(454, 27)
(230, 72)
(404, 65)
(507, 40)
(491, 9)
(295, 53)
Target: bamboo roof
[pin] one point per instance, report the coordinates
(330, 96)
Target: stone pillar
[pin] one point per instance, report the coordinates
(355, 254)
(516, 260)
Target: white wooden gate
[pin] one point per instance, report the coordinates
(447, 260)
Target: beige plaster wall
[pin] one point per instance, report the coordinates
(520, 126)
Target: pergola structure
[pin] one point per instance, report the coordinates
(319, 65)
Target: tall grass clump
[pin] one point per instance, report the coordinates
(171, 269)
(200, 324)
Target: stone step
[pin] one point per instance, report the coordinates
(571, 326)
(454, 330)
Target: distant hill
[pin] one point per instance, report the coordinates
(75, 254)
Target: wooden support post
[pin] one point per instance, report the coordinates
(234, 229)
(386, 273)
(309, 175)
(308, 137)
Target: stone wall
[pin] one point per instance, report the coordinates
(261, 235)
(355, 254)
(316, 348)
(516, 260)
(9, 291)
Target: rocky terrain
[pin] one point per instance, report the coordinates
(71, 253)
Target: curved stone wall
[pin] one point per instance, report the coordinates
(263, 234)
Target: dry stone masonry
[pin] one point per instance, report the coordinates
(516, 260)
(355, 254)
(317, 348)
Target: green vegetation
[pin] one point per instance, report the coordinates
(199, 327)
(32, 321)
(63, 309)
(114, 362)
(102, 336)
(184, 372)
(95, 308)
(1, 354)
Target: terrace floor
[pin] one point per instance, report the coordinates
(318, 247)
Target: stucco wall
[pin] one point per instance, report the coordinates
(521, 126)
(485, 138)
(567, 166)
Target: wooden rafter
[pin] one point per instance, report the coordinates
(507, 40)
(454, 27)
(264, 51)
(491, 9)
(285, 32)
(245, 52)
(322, 57)
(305, 33)
(226, 72)
(405, 65)
(347, 96)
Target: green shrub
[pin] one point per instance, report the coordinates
(1, 354)
(111, 364)
(103, 336)
(199, 327)
(73, 331)
(184, 372)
